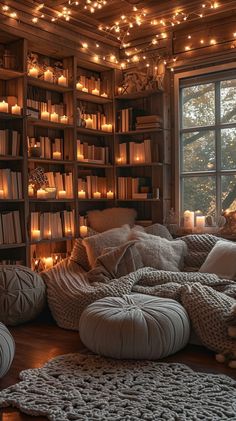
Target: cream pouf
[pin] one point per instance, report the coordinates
(22, 294)
(7, 350)
(134, 327)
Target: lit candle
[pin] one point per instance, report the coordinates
(104, 95)
(35, 235)
(48, 76)
(48, 262)
(3, 107)
(95, 92)
(89, 123)
(1, 194)
(62, 194)
(84, 89)
(82, 194)
(35, 151)
(119, 160)
(200, 222)
(80, 157)
(188, 219)
(56, 155)
(110, 195)
(51, 192)
(79, 86)
(48, 235)
(33, 72)
(41, 194)
(16, 109)
(109, 127)
(30, 190)
(62, 80)
(45, 115)
(68, 232)
(64, 119)
(97, 195)
(83, 231)
(137, 159)
(120, 89)
(104, 127)
(54, 117)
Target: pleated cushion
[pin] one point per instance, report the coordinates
(7, 350)
(134, 327)
(22, 294)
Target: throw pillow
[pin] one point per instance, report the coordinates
(199, 245)
(158, 252)
(221, 260)
(160, 230)
(112, 238)
(107, 219)
(79, 253)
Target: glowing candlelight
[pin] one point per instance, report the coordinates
(48, 262)
(200, 222)
(41, 194)
(83, 231)
(1, 194)
(80, 157)
(95, 92)
(62, 194)
(79, 86)
(33, 72)
(48, 76)
(188, 219)
(3, 107)
(54, 117)
(97, 195)
(89, 123)
(36, 235)
(51, 192)
(110, 195)
(82, 194)
(104, 95)
(64, 119)
(45, 115)
(16, 109)
(30, 190)
(56, 155)
(62, 80)
(84, 89)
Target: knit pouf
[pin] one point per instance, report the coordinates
(22, 294)
(7, 350)
(134, 327)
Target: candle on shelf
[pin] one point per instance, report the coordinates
(84, 89)
(119, 160)
(104, 127)
(48, 262)
(3, 107)
(62, 80)
(89, 123)
(56, 155)
(62, 194)
(33, 72)
(51, 192)
(16, 109)
(104, 95)
(2, 194)
(188, 219)
(45, 115)
(110, 195)
(95, 91)
(64, 119)
(137, 158)
(35, 151)
(35, 235)
(48, 76)
(54, 117)
(79, 86)
(48, 235)
(97, 195)
(30, 190)
(83, 231)
(120, 89)
(80, 157)
(68, 232)
(41, 194)
(109, 127)
(81, 194)
(200, 222)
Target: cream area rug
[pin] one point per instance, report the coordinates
(76, 387)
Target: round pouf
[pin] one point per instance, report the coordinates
(22, 294)
(7, 350)
(135, 327)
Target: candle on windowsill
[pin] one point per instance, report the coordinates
(95, 91)
(84, 89)
(97, 195)
(2, 194)
(45, 115)
(56, 155)
(83, 231)
(200, 222)
(62, 194)
(48, 76)
(35, 235)
(188, 219)
(62, 80)
(3, 107)
(81, 194)
(79, 86)
(64, 119)
(48, 262)
(54, 117)
(30, 191)
(104, 95)
(33, 72)
(16, 109)
(110, 195)
(41, 194)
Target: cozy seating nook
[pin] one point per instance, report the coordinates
(117, 210)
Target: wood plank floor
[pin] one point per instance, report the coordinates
(39, 341)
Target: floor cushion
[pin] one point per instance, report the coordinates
(22, 294)
(7, 350)
(134, 327)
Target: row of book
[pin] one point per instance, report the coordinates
(90, 83)
(9, 142)
(10, 228)
(148, 122)
(62, 182)
(129, 119)
(47, 148)
(96, 121)
(134, 188)
(92, 185)
(92, 153)
(10, 184)
(36, 109)
(51, 225)
(135, 153)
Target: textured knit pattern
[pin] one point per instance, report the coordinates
(79, 253)
(198, 248)
(85, 388)
(7, 349)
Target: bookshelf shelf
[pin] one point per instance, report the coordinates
(12, 246)
(137, 95)
(97, 99)
(93, 165)
(47, 85)
(11, 158)
(51, 200)
(52, 240)
(96, 200)
(138, 200)
(8, 74)
(92, 132)
(48, 124)
(150, 164)
(51, 161)
(8, 116)
(137, 132)
(11, 200)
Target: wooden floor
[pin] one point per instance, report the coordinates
(40, 341)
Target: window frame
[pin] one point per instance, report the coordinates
(190, 78)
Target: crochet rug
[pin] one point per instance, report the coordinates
(88, 388)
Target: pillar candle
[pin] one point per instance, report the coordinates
(95, 92)
(2, 194)
(79, 86)
(110, 195)
(33, 72)
(45, 115)
(48, 262)
(84, 89)
(16, 109)
(83, 231)
(97, 195)
(30, 191)
(41, 194)
(62, 194)
(200, 222)
(82, 194)
(35, 235)
(104, 95)
(62, 81)
(64, 119)
(3, 107)
(56, 155)
(48, 76)
(89, 123)
(80, 157)
(54, 117)
(51, 192)
(188, 219)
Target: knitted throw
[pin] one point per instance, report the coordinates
(85, 388)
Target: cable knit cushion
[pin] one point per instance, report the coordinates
(199, 246)
(22, 294)
(7, 350)
(134, 327)
(160, 230)
(107, 219)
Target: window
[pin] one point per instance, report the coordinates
(208, 143)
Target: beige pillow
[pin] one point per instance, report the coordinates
(158, 252)
(79, 253)
(107, 219)
(111, 238)
(160, 230)
(221, 260)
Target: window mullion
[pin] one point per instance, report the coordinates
(218, 147)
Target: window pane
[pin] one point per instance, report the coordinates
(228, 185)
(198, 151)
(228, 149)
(198, 105)
(228, 101)
(199, 193)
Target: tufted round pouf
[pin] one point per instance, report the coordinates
(7, 349)
(22, 294)
(135, 327)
